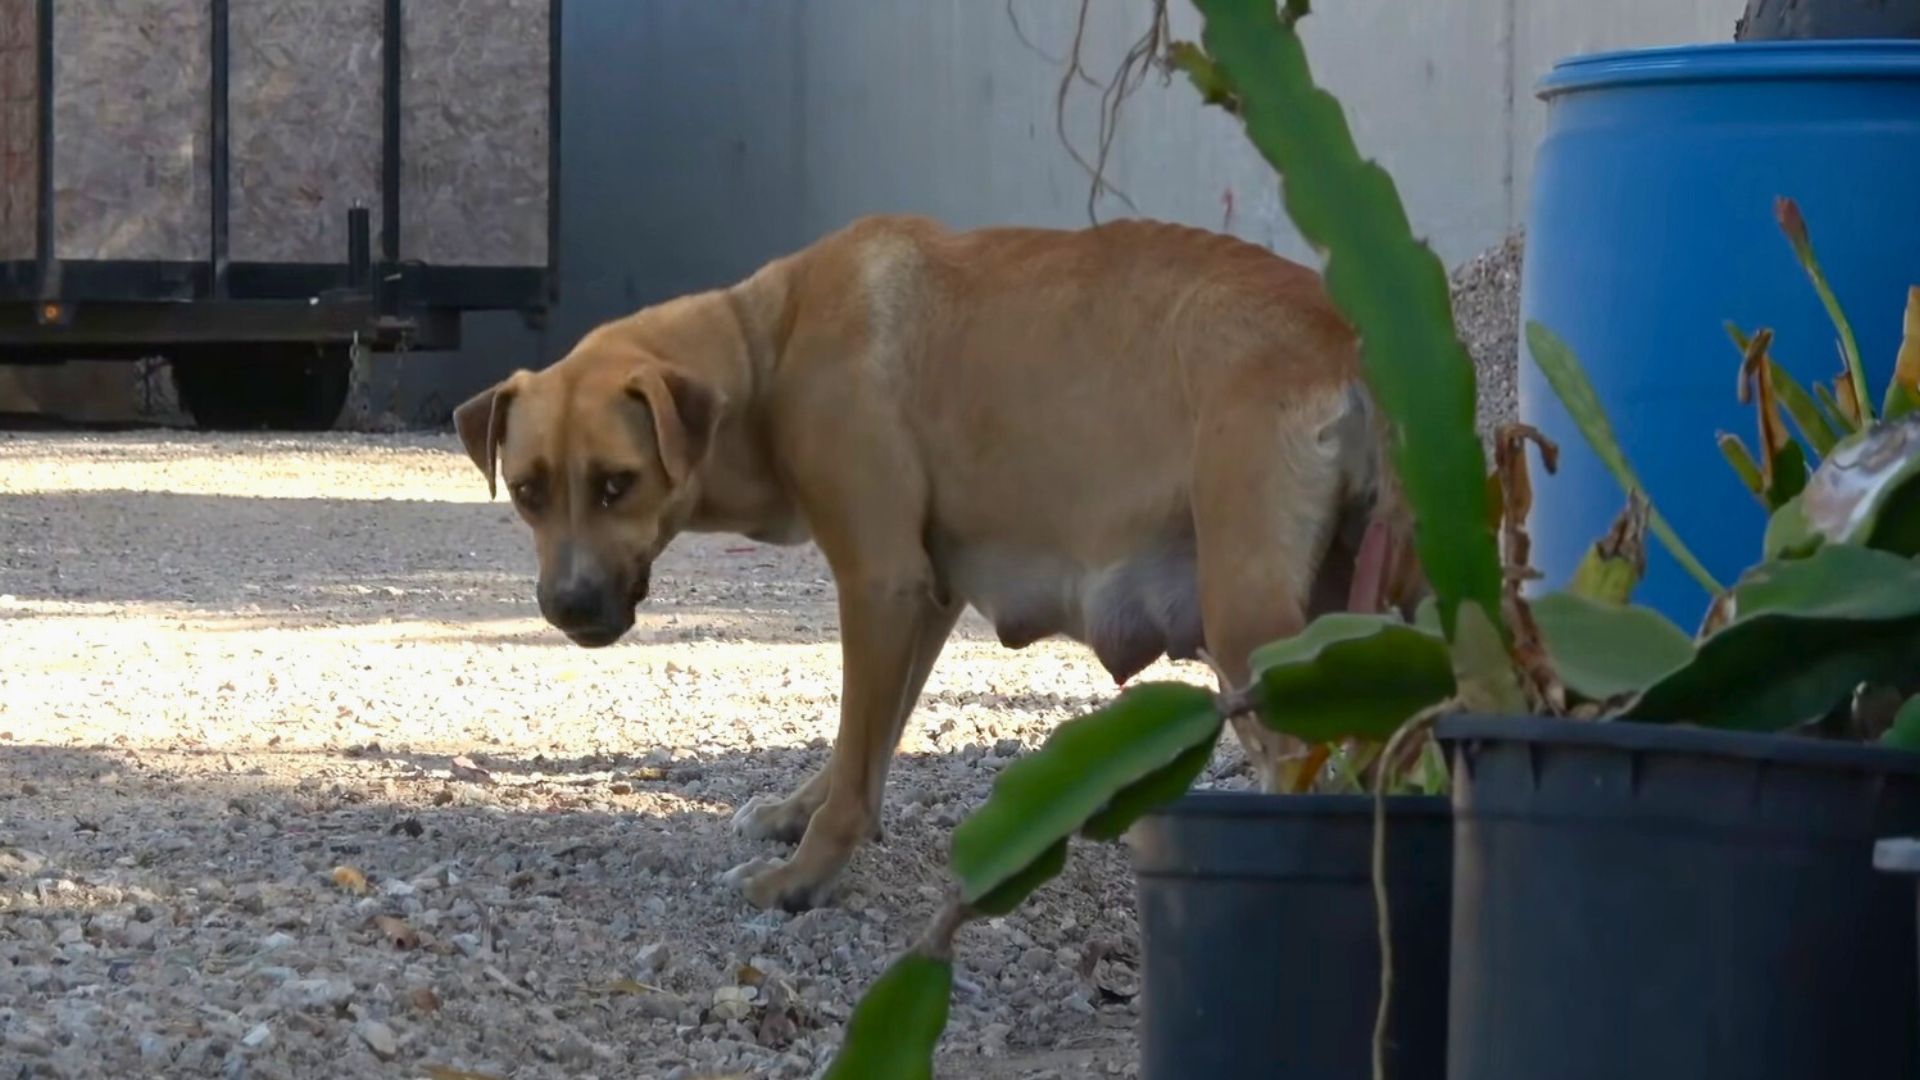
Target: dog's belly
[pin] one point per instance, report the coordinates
(1128, 612)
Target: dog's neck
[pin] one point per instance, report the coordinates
(739, 490)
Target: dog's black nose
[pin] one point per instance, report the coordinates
(576, 603)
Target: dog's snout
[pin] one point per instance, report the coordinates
(579, 598)
(576, 602)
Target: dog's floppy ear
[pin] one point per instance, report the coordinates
(685, 414)
(481, 421)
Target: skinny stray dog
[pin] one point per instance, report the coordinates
(1149, 438)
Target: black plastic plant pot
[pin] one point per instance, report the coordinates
(1901, 857)
(1671, 903)
(1259, 944)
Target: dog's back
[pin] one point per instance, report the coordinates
(1094, 410)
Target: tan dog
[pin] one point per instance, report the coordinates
(1142, 436)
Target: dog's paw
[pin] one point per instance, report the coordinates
(767, 818)
(768, 882)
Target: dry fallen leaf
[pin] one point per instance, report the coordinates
(505, 983)
(423, 999)
(397, 932)
(442, 1072)
(346, 877)
(463, 768)
(630, 986)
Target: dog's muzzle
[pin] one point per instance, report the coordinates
(592, 611)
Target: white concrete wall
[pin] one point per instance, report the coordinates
(939, 106)
(702, 136)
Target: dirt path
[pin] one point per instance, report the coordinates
(233, 665)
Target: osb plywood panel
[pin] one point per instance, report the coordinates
(19, 129)
(304, 120)
(474, 132)
(131, 108)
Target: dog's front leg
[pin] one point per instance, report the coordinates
(891, 631)
(767, 817)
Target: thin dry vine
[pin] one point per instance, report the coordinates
(1146, 52)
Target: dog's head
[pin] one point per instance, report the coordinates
(600, 454)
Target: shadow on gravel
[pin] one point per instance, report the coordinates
(299, 562)
(315, 558)
(172, 893)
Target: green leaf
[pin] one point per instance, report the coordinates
(1603, 650)
(1899, 402)
(895, 1027)
(1350, 676)
(1426, 616)
(1868, 490)
(1160, 787)
(1789, 534)
(1391, 288)
(1434, 776)
(1744, 466)
(1809, 418)
(1051, 793)
(1199, 69)
(1569, 381)
(1795, 228)
(1804, 634)
(1789, 475)
(1614, 564)
(1905, 732)
(1485, 677)
(1014, 891)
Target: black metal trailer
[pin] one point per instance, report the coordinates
(260, 343)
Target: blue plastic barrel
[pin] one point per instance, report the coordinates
(1652, 225)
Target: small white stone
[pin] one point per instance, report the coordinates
(379, 1038)
(653, 959)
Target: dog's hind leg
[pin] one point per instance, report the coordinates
(1265, 491)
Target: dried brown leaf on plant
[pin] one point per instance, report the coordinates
(1541, 685)
(1514, 484)
(1844, 398)
(1311, 767)
(1906, 364)
(1756, 382)
(1719, 613)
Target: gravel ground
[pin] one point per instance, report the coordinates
(295, 784)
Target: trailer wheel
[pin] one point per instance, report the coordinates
(292, 387)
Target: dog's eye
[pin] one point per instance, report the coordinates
(526, 493)
(613, 486)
